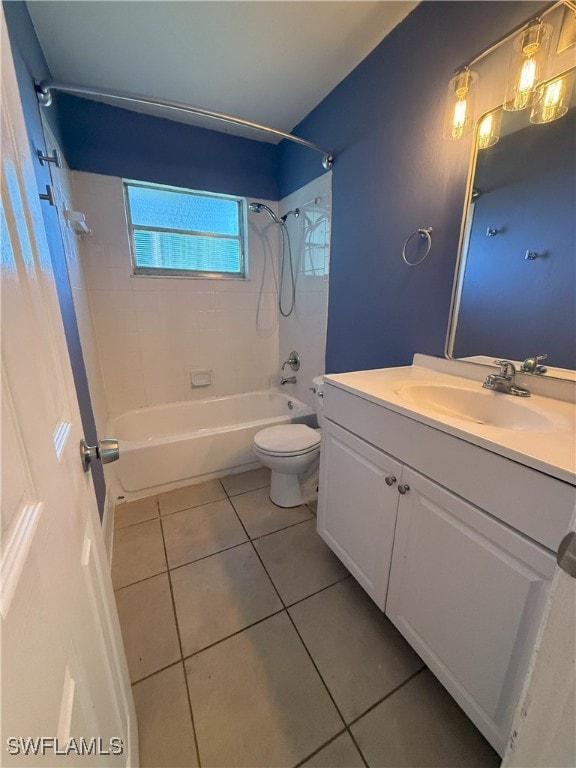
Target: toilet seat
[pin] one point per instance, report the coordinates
(287, 440)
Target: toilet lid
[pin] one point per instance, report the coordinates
(288, 438)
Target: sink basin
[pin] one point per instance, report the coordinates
(479, 407)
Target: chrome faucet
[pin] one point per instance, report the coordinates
(505, 380)
(287, 380)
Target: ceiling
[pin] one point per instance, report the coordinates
(268, 61)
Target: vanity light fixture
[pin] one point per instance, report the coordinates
(529, 54)
(525, 86)
(552, 99)
(458, 116)
(489, 129)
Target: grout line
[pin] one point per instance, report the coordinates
(181, 653)
(270, 615)
(131, 525)
(346, 727)
(227, 496)
(323, 589)
(243, 493)
(319, 673)
(156, 672)
(316, 751)
(285, 528)
(349, 732)
(233, 634)
(212, 554)
(296, 629)
(139, 581)
(270, 533)
(163, 515)
(388, 695)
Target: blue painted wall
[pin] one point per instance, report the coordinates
(99, 138)
(30, 65)
(394, 173)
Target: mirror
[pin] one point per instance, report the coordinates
(515, 294)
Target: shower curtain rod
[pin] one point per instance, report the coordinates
(45, 88)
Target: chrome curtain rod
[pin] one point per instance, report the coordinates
(45, 88)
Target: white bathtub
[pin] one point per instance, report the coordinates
(167, 445)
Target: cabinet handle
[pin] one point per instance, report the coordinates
(403, 489)
(390, 480)
(566, 558)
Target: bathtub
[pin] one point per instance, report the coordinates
(170, 445)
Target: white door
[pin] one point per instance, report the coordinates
(468, 594)
(65, 685)
(357, 507)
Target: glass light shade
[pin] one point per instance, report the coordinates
(488, 132)
(458, 115)
(552, 99)
(527, 64)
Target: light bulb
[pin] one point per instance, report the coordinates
(553, 94)
(486, 127)
(459, 119)
(457, 116)
(526, 66)
(489, 129)
(552, 99)
(527, 79)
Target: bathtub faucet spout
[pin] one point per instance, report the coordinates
(287, 380)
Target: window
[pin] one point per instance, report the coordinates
(180, 232)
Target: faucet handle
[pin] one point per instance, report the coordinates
(507, 368)
(532, 364)
(293, 361)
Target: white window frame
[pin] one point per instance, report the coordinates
(140, 271)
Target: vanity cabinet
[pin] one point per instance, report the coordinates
(441, 558)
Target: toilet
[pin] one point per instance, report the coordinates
(292, 452)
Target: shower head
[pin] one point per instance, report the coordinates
(259, 207)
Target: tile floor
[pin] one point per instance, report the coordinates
(249, 644)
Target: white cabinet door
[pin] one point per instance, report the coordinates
(468, 595)
(357, 508)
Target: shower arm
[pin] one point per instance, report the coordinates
(45, 88)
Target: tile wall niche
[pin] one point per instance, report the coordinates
(305, 329)
(152, 332)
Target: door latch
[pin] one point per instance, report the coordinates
(107, 450)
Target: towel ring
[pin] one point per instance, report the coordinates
(424, 232)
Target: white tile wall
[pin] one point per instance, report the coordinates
(152, 332)
(61, 180)
(305, 329)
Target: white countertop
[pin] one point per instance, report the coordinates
(552, 451)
